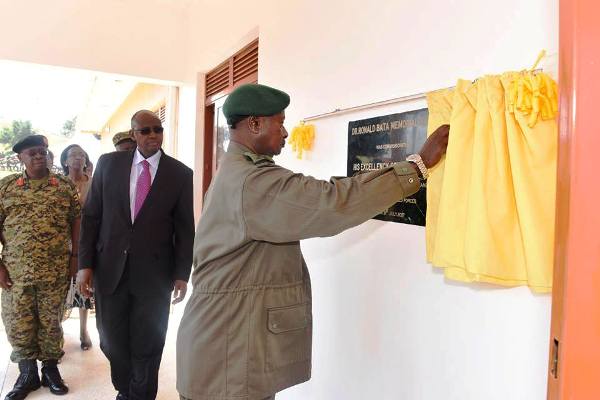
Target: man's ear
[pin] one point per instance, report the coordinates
(253, 124)
(20, 159)
(131, 135)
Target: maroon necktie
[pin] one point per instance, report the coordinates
(142, 187)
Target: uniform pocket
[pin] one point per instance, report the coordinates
(288, 336)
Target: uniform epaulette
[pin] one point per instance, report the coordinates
(259, 159)
(264, 162)
(7, 180)
(63, 178)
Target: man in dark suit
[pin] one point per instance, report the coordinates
(137, 232)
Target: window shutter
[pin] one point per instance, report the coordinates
(162, 114)
(217, 80)
(245, 65)
(239, 69)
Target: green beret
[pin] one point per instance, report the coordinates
(119, 137)
(30, 141)
(254, 100)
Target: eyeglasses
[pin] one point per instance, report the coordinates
(146, 131)
(33, 152)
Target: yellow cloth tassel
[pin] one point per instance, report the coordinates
(302, 138)
(532, 94)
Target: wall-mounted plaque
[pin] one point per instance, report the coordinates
(380, 142)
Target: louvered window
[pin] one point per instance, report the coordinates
(162, 114)
(217, 80)
(245, 65)
(239, 69)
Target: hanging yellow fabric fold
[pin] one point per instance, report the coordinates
(302, 138)
(490, 203)
(440, 108)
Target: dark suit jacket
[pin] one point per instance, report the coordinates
(157, 247)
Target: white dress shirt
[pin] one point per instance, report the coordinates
(136, 171)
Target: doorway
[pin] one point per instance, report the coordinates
(237, 70)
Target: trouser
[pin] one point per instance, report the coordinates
(132, 330)
(32, 316)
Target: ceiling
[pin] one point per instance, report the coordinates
(104, 96)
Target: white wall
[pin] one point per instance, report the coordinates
(186, 141)
(144, 38)
(218, 29)
(387, 325)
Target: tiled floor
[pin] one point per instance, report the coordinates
(87, 372)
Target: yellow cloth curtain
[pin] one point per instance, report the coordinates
(491, 201)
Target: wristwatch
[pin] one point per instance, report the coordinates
(416, 159)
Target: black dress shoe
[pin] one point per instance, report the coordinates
(51, 378)
(27, 382)
(122, 396)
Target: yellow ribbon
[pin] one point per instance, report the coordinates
(302, 138)
(540, 56)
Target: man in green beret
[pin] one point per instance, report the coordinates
(39, 228)
(123, 141)
(246, 331)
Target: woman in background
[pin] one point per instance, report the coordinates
(75, 161)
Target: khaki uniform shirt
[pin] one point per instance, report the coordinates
(35, 224)
(247, 329)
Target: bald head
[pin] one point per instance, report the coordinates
(143, 115)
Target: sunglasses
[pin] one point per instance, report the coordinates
(146, 131)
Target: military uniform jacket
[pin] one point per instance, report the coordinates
(247, 329)
(35, 220)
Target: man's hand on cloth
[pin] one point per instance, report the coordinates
(435, 146)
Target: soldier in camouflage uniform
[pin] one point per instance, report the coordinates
(123, 141)
(39, 226)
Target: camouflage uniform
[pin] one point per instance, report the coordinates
(35, 223)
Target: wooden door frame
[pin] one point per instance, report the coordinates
(205, 108)
(204, 145)
(209, 146)
(574, 370)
